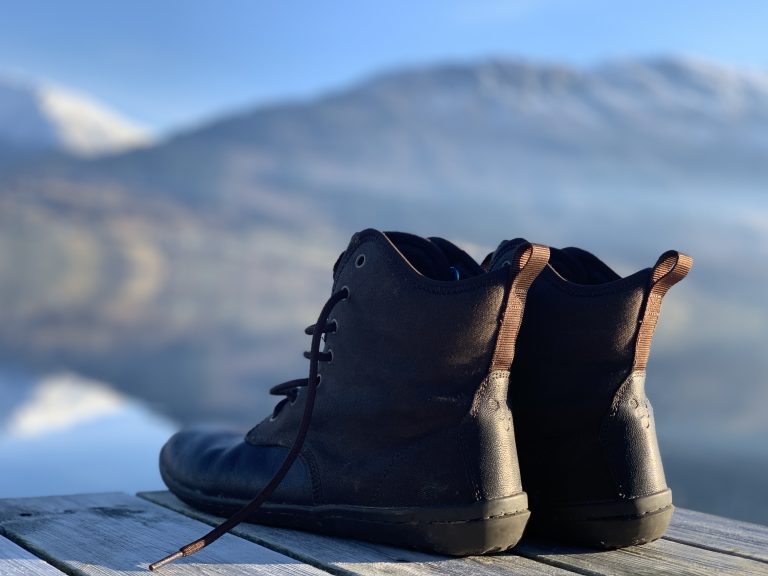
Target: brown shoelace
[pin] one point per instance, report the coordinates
(289, 388)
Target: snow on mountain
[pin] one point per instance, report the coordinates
(498, 127)
(41, 118)
(627, 159)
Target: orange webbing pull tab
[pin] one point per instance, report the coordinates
(671, 267)
(527, 263)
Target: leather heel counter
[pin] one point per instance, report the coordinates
(628, 437)
(474, 461)
(487, 439)
(628, 432)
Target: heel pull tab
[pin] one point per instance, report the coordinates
(527, 263)
(670, 268)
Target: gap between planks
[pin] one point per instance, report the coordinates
(720, 534)
(16, 561)
(669, 555)
(118, 535)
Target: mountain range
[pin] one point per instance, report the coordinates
(38, 119)
(184, 270)
(493, 128)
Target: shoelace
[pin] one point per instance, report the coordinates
(287, 388)
(291, 387)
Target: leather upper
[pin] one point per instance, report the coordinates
(408, 355)
(406, 413)
(217, 462)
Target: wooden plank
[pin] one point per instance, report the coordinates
(117, 534)
(15, 561)
(352, 557)
(662, 556)
(716, 533)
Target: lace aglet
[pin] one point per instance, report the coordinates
(167, 560)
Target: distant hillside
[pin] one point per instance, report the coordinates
(496, 128)
(199, 259)
(37, 119)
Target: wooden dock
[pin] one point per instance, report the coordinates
(111, 534)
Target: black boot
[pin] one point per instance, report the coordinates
(585, 430)
(410, 441)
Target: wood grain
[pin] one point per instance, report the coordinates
(117, 534)
(352, 557)
(716, 533)
(15, 561)
(660, 557)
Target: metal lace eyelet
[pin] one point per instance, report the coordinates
(319, 380)
(360, 261)
(506, 263)
(329, 351)
(348, 291)
(335, 326)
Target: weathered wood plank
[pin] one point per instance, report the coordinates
(117, 534)
(352, 557)
(660, 557)
(716, 533)
(15, 561)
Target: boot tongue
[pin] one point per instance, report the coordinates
(435, 258)
(501, 255)
(580, 266)
(462, 264)
(573, 264)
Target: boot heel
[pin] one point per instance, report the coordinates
(608, 524)
(469, 538)
(480, 528)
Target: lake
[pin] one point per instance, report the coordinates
(62, 433)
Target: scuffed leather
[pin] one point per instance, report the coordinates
(409, 356)
(215, 462)
(628, 435)
(488, 432)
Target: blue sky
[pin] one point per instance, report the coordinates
(171, 63)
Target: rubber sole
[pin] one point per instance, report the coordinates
(478, 528)
(616, 524)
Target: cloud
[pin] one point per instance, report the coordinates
(60, 402)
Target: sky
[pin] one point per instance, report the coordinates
(171, 64)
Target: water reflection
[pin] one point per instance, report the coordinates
(66, 434)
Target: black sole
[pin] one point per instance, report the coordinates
(478, 528)
(616, 524)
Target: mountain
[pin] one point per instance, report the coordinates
(184, 272)
(496, 128)
(38, 119)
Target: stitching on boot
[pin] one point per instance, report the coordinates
(553, 279)
(613, 411)
(424, 283)
(465, 452)
(310, 463)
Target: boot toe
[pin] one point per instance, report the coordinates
(217, 470)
